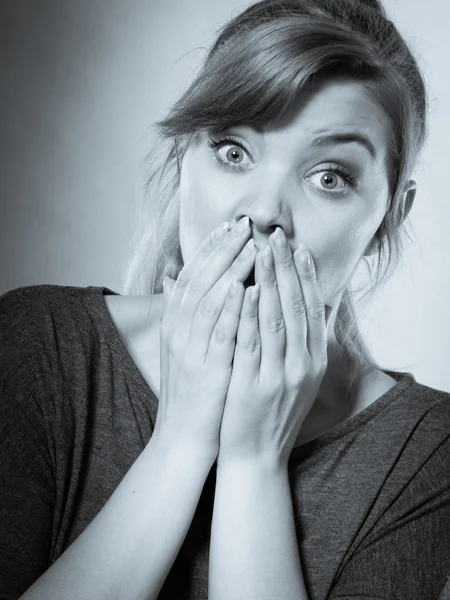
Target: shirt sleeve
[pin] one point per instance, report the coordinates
(27, 485)
(407, 554)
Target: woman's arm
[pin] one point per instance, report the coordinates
(254, 551)
(130, 546)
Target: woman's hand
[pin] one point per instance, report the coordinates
(198, 332)
(279, 360)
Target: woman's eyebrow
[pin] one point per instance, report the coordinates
(345, 138)
(334, 139)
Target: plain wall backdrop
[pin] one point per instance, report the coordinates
(81, 83)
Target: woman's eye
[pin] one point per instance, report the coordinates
(234, 154)
(230, 153)
(331, 180)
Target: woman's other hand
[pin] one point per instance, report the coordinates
(280, 358)
(198, 332)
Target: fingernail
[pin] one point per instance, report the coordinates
(267, 257)
(280, 239)
(220, 231)
(242, 225)
(304, 255)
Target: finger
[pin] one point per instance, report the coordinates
(212, 242)
(271, 321)
(211, 303)
(214, 328)
(291, 298)
(210, 262)
(224, 261)
(247, 353)
(222, 342)
(315, 308)
(205, 249)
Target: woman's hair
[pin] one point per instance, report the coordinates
(252, 74)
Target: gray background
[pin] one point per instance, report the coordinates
(82, 81)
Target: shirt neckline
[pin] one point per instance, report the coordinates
(97, 302)
(404, 379)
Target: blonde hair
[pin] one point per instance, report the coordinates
(278, 48)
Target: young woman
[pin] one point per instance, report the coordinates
(231, 437)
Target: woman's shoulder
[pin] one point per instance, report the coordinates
(29, 308)
(35, 320)
(23, 310)
(42, 297)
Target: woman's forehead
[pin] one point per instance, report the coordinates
(336, 106)
(333, 107)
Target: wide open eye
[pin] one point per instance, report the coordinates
(230, 153)
(333, 180)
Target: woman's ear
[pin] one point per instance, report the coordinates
(373, 247)
(408, 199)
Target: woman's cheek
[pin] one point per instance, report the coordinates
(333, 270)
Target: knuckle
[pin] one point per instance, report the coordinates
(229, 308)
(208, 307)
(294, 366)
(320, 367)
(251, 344)
(220, 335)
(317, 312)
(309, 275)
(275, 323)
(183, 279)
(287, 262)
(250, 313)
(296, 374)
(323, 364)
(269, 281)
(196, 284)
(297, 306)
(272, 387)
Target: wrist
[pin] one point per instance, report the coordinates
(182, 450)
(265, 463)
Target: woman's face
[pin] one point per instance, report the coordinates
(321, 175)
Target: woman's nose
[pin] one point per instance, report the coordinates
(267, 209)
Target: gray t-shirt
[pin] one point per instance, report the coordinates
(371, 498)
